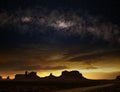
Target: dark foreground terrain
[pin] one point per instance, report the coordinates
(53, 86)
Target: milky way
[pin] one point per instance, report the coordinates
(67, 23)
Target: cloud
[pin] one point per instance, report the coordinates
(93, 55)
(12, 64)
(38, 67)
(9, 65)
(22, 66)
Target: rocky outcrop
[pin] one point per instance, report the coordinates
(32, 76)
(118, 77)
(72, 75)
(66, 75)
(0, 77)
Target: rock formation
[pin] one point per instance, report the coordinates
(118, 77)
(27, 76)
(66, 75)
(72, 75)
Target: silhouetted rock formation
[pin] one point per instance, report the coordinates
(27, 76)
(0, 77)
(118, 78)
(65, 76)
(72, 75)
(8, 78)
(51, 77)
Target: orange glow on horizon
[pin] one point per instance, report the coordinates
(87, 74)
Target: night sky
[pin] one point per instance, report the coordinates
(49, 36)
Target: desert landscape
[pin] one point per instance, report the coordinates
(71, 81)
(59, 46)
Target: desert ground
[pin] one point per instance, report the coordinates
(83, 86)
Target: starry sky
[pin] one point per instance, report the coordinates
(49, 36)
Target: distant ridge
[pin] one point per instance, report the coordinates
(118, 77)
(32, 76)
(66, 75)
(74, 75)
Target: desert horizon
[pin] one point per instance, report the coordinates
(58, 75)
